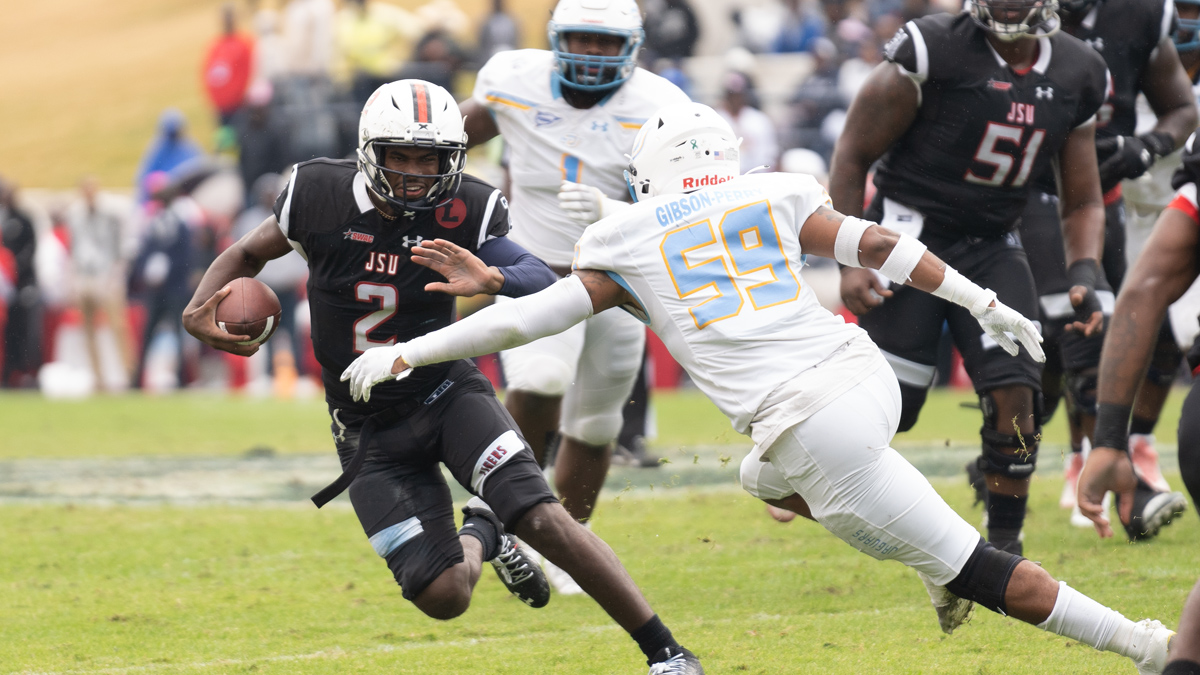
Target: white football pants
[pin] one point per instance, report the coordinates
(592, 365)
(841, 462)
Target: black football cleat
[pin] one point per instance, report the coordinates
(1152, 511)
(521, 574)
(675, 661)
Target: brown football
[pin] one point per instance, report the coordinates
(251, 308)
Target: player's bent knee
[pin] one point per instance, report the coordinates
(1012, 455)
(762, 480)
(985, 576)
(1082, 386)
(594, 430)
(449, 596)
(545, 377)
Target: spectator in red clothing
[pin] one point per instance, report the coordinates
(228, 67)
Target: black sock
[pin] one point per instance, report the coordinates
(653, 636)
(1006, 516)
(1141, 425)
(485, 531)
(1182, 668)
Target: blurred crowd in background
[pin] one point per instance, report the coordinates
(285, 84)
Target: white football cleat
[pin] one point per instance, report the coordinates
(1153, 639)
(952, 611)
(560, 580)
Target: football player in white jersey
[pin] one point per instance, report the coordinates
(711, 261)
(569, 117)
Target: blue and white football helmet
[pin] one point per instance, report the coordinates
(620, 18)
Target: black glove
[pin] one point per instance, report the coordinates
(1084, 273)
(1123, 157)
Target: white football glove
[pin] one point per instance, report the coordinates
(373, 367)
(586, 204)
(1000, 320)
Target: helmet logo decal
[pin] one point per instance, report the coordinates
(694, 146)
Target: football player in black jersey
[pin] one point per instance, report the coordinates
(965, 111)
(1167, 266)
(361, 227)
(1134, 38)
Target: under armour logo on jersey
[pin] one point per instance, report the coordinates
(1044, 93)
(599, 126)
(1096, 43)
(410, 242)
(410, 214)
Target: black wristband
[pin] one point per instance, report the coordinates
(1112, 426)
(1160, 142)
(1084, 272)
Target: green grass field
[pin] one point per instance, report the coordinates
(280, 587)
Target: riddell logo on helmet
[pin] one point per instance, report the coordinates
(711, 179)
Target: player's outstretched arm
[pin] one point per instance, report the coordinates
(491, 329)
(1082, 225)
(245, 258)
(1163, 272)
(880, 114)
(857, 243)
(501, 267)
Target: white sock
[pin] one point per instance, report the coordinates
(1081, 618)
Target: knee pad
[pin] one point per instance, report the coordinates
(911, 401)
(993, 459)
(1082, 386)
(597, 429)
(984, 578)
(762, 480)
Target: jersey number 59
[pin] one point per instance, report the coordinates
(750, 241)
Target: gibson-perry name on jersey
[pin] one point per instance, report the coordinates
(688, 204)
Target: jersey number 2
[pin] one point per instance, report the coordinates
(1003, 162)
(387, 296)
(750, 241)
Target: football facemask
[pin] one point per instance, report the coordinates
(417, 114)
(619, 18)
(1034, 17)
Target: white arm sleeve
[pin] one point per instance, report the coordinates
(504, 326)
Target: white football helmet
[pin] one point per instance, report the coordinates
(1040, 17)
(621, 18)
(682, 147)
(412, 113)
